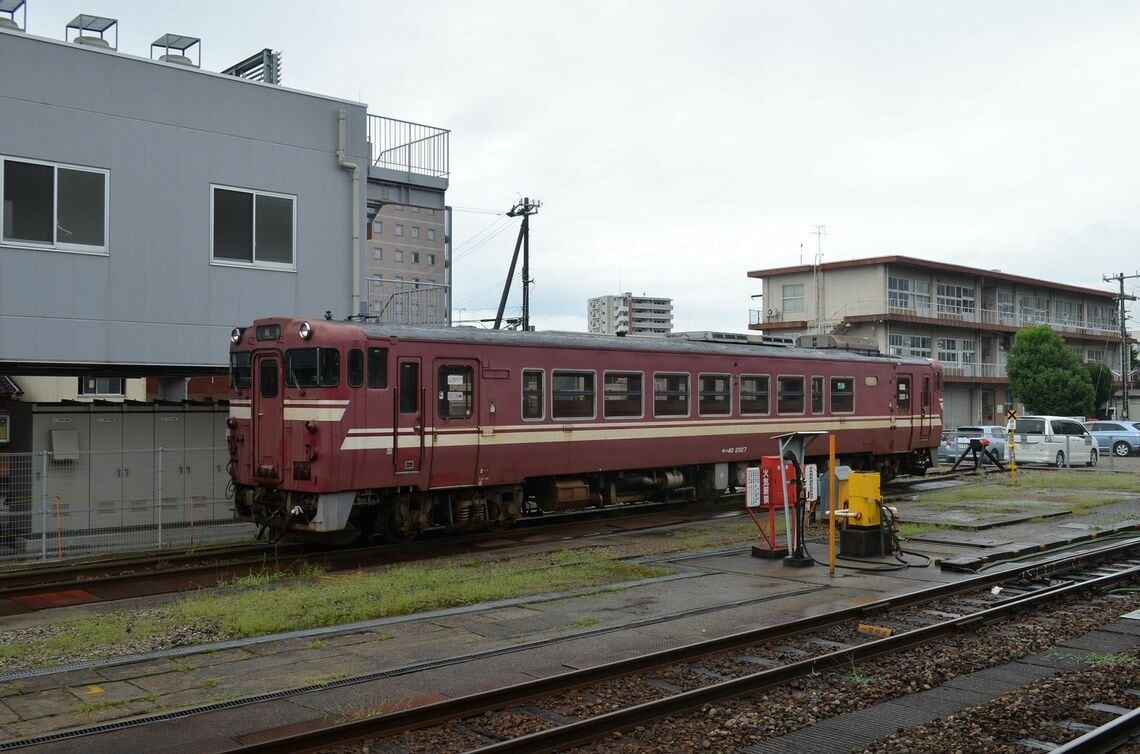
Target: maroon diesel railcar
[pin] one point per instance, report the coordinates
(351, 429)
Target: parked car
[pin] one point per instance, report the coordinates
(992, 435)
(948, 449)
(1119, 438)
(1057, 440)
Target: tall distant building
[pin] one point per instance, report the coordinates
(631, 315)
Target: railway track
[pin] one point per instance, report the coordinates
(37, 588)
(730, 663)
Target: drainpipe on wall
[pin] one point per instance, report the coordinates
(341, 153)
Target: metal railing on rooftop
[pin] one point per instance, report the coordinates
(408, 147)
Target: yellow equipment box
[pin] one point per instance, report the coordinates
(861, 495)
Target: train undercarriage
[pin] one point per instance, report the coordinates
(399, 514)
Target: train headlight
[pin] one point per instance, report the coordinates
(306, 330)
(235, 334)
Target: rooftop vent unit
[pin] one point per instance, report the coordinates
(86, 27)
(175, 48)
(8, 10)
(262, 66)
(853, 343)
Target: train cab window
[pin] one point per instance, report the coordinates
(572, 394)
(355, 367)
(241, 373)
(716, 395)
(533, 399)
(267, 378)
(409, 387)
(790, 395)
(842, 395)
(456, 392)
(621, 395)
(754, 400)
(670, 395)
(377, 368)
(904, 395)
(312, 367)
(817, 395)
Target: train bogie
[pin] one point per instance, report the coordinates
(347, 429)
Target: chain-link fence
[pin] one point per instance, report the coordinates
(63, 505)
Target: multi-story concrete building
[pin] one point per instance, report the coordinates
(148, 206)
(629, 314)
(408, 265)
(962, 316)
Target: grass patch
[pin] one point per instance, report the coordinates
(587, 622)
(268, 603)
(909, 531)
(693, 537)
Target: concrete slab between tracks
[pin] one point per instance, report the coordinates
(1012, 550)
(859, 729)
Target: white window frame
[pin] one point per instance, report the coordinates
(415, 231)
(55, 244)
(431, 234)
(96, 392)
(701, 391)
(254, 264)
(789, 297)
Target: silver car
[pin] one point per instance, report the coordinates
(991, 435)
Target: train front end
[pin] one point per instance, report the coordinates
(288, 411)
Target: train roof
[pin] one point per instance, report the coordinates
(559, 339)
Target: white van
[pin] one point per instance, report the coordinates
(1058, 440)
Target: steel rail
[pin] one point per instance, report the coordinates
(576, 733)
(1108, 737)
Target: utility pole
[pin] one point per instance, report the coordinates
(819, 232)
(526, 208)
(1125, 350)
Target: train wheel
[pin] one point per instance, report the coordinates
(704, 487)
(393, 528)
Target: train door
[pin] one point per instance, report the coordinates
(926, 421)
(267, 417)
(455, 458)
(904, 407)
(408, 429)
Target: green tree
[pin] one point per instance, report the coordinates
(1046, 376)
(1101, 378)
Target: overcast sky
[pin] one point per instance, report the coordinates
(677, 145)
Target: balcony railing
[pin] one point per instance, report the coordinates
(957, 315)
(973, 370)
(408, 147)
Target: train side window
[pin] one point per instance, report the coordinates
(456, 392)
(842, 395)
(817, 395)
(241, 374)
(925, 393)
(716, 395)
(904, 395)
(409, 387)
(377, 368)
(754, 398)
(533, 399)
(572, 395)
(267, 378)
(355, 367)
(670, 395)
(789, 395)
(622, 395)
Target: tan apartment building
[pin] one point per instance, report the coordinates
(962, 316)
(407, 268)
